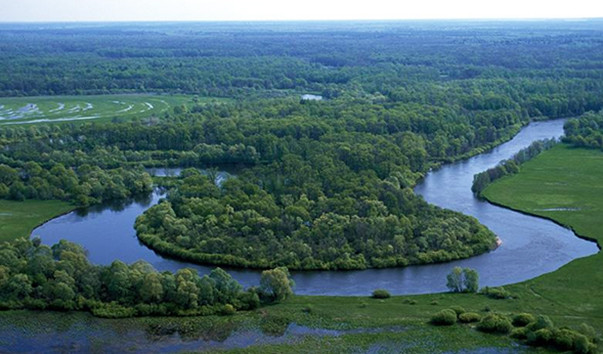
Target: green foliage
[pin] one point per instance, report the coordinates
(462, 280)
(585, 131)
(458, 309)
(228, 310)
(540, 337)
(113, 310)
(469, 317)
(520, 333)
(276, 285)
(444, 317)
(497, 292)
(381, 294)
(495, 323)
(82, 186)
(523, 319)
(36, 276)
(510, 166)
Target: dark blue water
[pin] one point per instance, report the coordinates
(531, 246)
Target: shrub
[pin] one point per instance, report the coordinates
(564, 339)
(519, 333)
(228, 310)
(495, 323)
(249, 300)
(496, 292)
(444, 317)
(381, 294)
(469, 317)
(582, 345)
(523, 319)
(540, 337)
(587, 330)
(457, 309)
(541, 322)
(308, 309)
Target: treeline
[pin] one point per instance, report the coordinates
(266, 130)
(36, 276)
(585, 131)
(510, 166)
(500, 66)
(83, 186)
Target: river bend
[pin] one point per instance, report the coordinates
(531, 246)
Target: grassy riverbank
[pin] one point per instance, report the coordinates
(18, 219)
(562, 184)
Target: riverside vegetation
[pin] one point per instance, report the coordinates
(322, 184)
(36, 276)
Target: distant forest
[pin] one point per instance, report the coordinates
(544, 69)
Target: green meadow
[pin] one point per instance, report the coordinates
(32, 110)
(18, 219)
(564, 185)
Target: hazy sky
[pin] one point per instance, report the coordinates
(217, 10)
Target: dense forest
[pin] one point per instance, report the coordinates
(320, 184)
(585, 131)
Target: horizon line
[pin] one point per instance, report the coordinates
(468, 19)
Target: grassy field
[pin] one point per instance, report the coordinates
(17, 219)
(31, 110)
(565, 185)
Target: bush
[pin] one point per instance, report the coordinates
(540, 323)
(564, 339)
(445, 317)
(228, 310)
(582, 345)
(469, 317)
(249, 300)
(495, 323)
(496, 292)
(457, 309)
(308, 309)
(381, 294)
(587, 330)
(540, 337)
(523, 319)
(519, 333)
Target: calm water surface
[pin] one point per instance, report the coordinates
(531, 246)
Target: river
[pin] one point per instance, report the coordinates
(531, 246)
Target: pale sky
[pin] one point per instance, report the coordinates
(251, 10)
